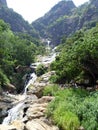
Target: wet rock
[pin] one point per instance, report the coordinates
(15, 125)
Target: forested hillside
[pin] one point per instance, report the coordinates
(65, 18)
(16, 51)
(78, 59)
(15, 20)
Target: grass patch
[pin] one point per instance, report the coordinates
(51, 90)
(73, 108)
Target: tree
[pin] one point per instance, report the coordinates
(79, 58)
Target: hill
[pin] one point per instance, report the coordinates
(16, 21)
(65, 19)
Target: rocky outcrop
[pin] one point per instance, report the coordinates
(39, 125)
(38, 86)
(6, 102)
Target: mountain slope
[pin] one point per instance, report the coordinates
(48, 26)
(17, 23)
(65, 18)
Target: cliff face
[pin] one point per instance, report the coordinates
(3, 3)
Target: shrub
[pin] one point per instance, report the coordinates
(74, 107)
(50, 90)
(66, 120)
(40, 70)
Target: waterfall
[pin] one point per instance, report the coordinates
(30, 80)
(14, 112)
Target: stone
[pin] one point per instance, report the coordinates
(36, 111)
(18, 124)
(39, 125)
(7, 127)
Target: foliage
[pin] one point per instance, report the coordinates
(41, 69)
(73, 108)
(78, 58)
(14, 51)
(50, 90)
(3, 79)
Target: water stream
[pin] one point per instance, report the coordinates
(32, 79)
(14, 112)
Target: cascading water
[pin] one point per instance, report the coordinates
(14, 112)
(32, 79)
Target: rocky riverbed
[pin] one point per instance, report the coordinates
(27, 111)
(32, 115)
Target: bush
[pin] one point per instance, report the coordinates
(74, 107)
(50, 90)
(66, 120)
(40, 70)
(3, 78)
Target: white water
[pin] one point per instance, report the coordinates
(33, 77)
(13, 113)
(45, 60)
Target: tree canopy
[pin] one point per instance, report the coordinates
(15, 50)
(78, 59)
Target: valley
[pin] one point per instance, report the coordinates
(49, 68)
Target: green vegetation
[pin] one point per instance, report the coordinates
(41, 69)
(15, 50)
(73, 108)
(50, 90)
(78, 59)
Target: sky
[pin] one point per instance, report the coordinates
(33, 9)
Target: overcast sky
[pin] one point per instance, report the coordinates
(33, 9)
